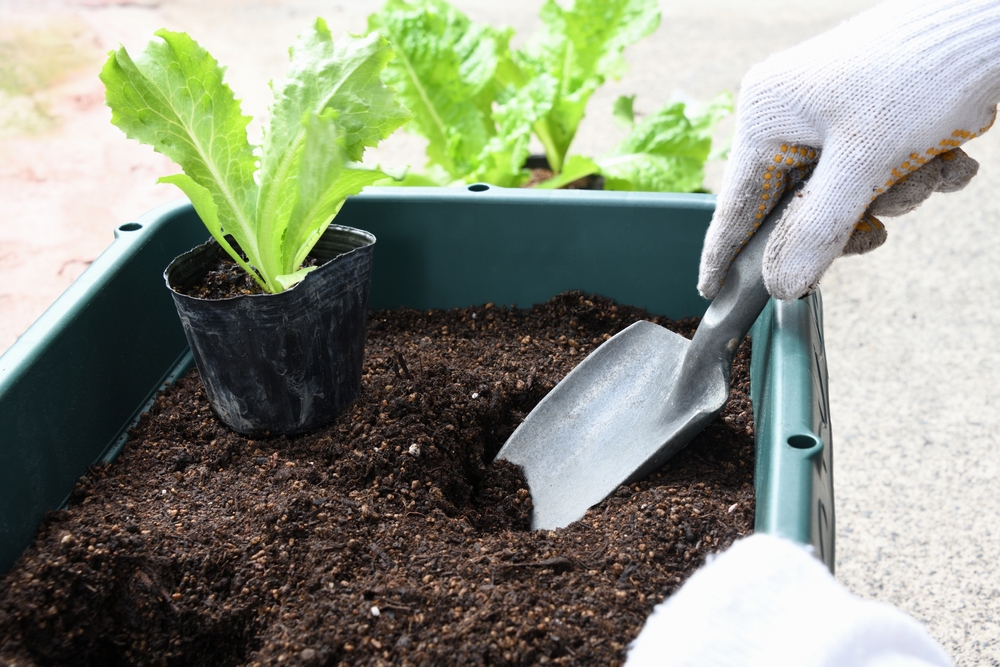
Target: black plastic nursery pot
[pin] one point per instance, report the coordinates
(73, 384)
(286, 362)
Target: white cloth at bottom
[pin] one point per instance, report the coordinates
(768, 602)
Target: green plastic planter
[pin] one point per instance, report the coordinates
(83, 373)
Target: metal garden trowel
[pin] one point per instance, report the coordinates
(636, 400)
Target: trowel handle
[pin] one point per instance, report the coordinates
(739, 302)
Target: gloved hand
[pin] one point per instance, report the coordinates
(872, 114)
(766, 602)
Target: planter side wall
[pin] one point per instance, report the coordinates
(789, 390)
(452, 247)
(73, 384)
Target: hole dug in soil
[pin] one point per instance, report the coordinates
(385, 538)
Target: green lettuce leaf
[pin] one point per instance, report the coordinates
(622, 112)
(502, 160)
(332, 106)
(666, 151)
(289, 280)
(581, 47)
(172, 97)
(444, 74)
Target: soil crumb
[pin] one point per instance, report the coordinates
(386, 538)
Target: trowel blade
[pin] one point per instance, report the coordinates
(616, 417)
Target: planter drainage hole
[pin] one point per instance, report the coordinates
(803, 441)
(130, 227)
(479, 187)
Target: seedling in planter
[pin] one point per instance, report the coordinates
(272, 202)
(478, 102)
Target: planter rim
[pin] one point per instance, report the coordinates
(484, 192)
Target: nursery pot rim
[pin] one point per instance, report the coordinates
(367, 237)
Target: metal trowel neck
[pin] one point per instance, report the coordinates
(737, 306)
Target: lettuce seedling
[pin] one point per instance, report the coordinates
(478, 102)
(445, 73)
(579, 47)
(267, 206)
(665, 151)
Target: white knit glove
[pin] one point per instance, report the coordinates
(877, 105)
(766, 602)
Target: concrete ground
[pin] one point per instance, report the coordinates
(909, 329)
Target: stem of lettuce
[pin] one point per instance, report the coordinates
(544, 134)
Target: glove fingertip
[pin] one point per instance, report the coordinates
(709, 289)
(794, 258)
(957, 169)
(869, 233)
(785, 287)
(710, 276)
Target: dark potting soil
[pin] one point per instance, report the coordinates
(228, 279)
(386, 538)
